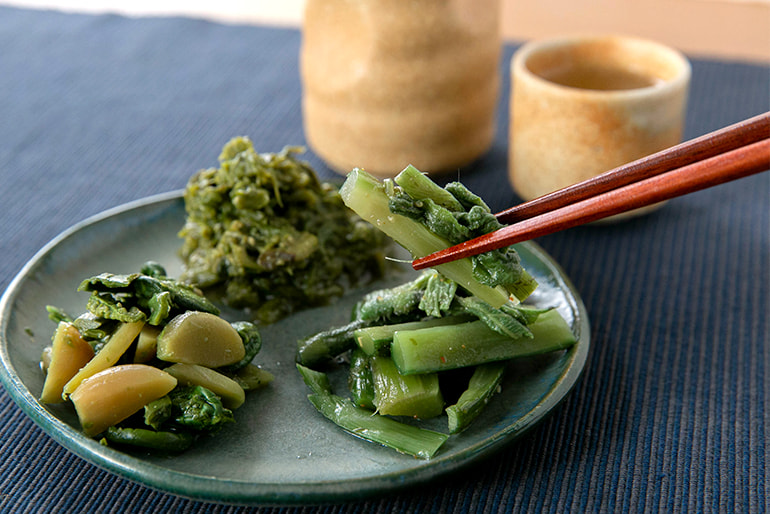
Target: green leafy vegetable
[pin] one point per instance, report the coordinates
(371, 199)
(56, 314)
(158, 412)
(94, 329)
(456, 221)
(394, 303)
(439, 293)
(198, 408)
(131, 311)
(497, 319)
(113, 306)
(463, 321)
(139, 297)
(264, 233)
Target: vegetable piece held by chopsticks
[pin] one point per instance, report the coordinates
(373, 201)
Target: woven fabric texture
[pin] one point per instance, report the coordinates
(671, 414)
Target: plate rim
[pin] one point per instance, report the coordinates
(199, 487)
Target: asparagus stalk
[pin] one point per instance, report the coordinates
(469, 344)
(483, 384)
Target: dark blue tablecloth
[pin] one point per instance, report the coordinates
(671, 414)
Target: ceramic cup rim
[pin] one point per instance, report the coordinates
(539, 47)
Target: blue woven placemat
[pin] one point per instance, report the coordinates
(672, 412)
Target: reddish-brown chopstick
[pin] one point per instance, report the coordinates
(727, 166)
(731, 137)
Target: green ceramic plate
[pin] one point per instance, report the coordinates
(280, 450)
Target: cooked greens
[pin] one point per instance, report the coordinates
(404, 342)
(264, 233)
(133, 382)
(399, 347)
(198, 408)
(413, 211)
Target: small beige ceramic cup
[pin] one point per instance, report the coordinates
(583, 105)
(387, 84)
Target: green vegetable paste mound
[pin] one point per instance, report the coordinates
(264, 233)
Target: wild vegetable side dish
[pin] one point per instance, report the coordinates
(150, 364)
(263, 233)
(409, 347)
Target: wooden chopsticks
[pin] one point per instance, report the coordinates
(727, 154)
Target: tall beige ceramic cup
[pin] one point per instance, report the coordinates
(390, 83)
(583, 105)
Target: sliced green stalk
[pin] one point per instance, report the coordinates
(401, 437)
(366, 196)
(416, 396)
(362, 423)
(317, 381)
(326, 345)
(145, 438)
(360, 380)
(377, 339)
(483, 384)
(470, 344)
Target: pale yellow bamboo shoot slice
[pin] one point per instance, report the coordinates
(229, 390)
(108, 356)
(111, 395)
(147, 344)
(69, 352)
(200, 338)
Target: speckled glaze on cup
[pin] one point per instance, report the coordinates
(583, 105)
(387, 84)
